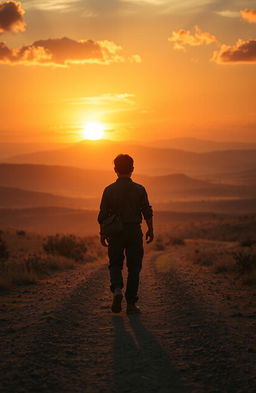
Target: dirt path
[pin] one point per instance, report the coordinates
(60, 336)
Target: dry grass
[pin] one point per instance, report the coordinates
(236, 261)
(164, 240)
(203, 257)
(28, 262)
(28, 271)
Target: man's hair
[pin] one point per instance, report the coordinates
(123, 164)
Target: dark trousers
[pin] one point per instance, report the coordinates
(130, 244)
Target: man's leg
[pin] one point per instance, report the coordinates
(116, 259)
(134, 256)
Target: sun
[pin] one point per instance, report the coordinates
(93, 131)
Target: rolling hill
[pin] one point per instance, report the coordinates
(18, 198)
(148, 160)
(201, 145)
(80, 183)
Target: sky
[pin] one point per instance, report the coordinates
(145, 69)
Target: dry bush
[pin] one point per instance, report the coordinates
(14, 273)
(68, 246)
(250, 279)
(159, 244)
(29, 264)
(224, 263)
(176, 241)
(5, 283)
(245, 261)
(4, 254)
(21, 233)
(247, 243)
(203, 257)
(31, 269)
(44, 265)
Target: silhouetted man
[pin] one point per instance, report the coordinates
(126, 202)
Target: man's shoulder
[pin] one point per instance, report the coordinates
(139, 187)
(110, 187)
(115, 185)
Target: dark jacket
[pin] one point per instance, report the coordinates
(127, 199)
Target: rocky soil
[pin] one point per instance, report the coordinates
(196, 333)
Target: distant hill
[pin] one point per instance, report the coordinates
(247, 177)
(148, 160)
(60, 180)
(200, 145)
(48, 220)
(230, 206)
(10, 149)
(53, 220)
(88, 185)
(17, 198)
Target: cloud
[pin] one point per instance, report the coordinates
(51, 5)
(243, 52)
(248, 15)
(104, 99)
(182, 37)
(11, 17)
(228, 13)
(64, 51)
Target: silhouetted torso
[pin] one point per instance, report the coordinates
(127, 199)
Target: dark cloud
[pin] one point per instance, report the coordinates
(248, 15)
(243, 52)
(11, 16)
(65, 51)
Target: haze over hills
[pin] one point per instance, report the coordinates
(18, 198)
(148, 160)
(81, 183)
(200, 145)
(247, 177)
(10, 149)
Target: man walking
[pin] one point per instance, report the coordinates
(126, 202)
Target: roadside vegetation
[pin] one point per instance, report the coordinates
(238, 262)
(26, 258)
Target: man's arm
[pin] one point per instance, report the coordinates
(103, 214)
(147, 213)
(150, 231)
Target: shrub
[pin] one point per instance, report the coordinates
(4, 254)
(68, 246)
(31, 269)
(247, 243)
(176, 241)
(224, 264)
(245, 262)
(43, 265)
(21, 233)
(159, 245)
(203, 258)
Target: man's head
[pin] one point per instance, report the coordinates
(123, 165)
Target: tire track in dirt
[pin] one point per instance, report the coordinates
(211, 356)
(82, 347)
(178, 344)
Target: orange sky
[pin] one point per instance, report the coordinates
(153, 69)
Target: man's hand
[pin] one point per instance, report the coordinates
(104, 240)
(149, 236)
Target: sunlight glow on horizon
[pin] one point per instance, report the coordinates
(93, 131)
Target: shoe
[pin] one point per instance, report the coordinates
(132, 309)
(117, 301)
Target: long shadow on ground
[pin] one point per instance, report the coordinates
(141, 364)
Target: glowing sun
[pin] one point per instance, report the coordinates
(93, 131)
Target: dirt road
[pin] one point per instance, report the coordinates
(193, 336)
